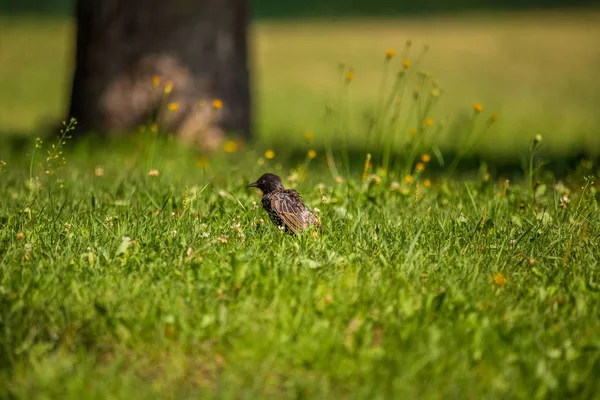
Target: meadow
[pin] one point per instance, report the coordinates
(142, 269)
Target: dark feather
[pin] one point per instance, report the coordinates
(291, 210)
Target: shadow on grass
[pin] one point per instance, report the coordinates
(277, 9)
(18, 145)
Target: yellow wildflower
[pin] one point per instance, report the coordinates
(426, 183)
(155, 80)
(499, 279)
(339, 179)
(425, 158)
(412, 132)
(478, 107)
(494, 117)
(99, 171)
(153, 172)
(406, 64)
(349, 76)
(428, 122)
(408, 178)
(168, 87)
(217, 104)
(308, 135)
(230, 146)
(420, 166)
(312, 154)
(173, 106)
(389, 54)
(269, 154)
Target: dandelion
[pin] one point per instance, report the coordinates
(168, 87)
(425, 158)
(155, 80)
(312, 154)
(20, 236)
(428, 122)
(349, 76)
(426, 183)
(230, 146)
(99, 171)
(477, 107)
(308, 135)
(408, 178)
(153, 172)
(269, 154)
(173, 106)
(412, 132)
(406, 64)
(389, 54)
(339, 179)
(494, 117)
(217, 104)
(420, 166)
(499, 279)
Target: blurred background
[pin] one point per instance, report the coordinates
(534, 63)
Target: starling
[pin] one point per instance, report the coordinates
(285, 206)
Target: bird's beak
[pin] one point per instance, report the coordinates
(253, 184)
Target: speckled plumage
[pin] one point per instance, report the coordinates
(284, 206)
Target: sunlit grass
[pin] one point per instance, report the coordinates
(127, 273)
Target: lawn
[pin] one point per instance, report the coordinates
(142, 269)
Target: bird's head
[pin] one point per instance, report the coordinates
(268, 183)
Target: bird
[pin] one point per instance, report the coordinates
(285, 206)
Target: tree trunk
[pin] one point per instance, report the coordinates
(128, 51)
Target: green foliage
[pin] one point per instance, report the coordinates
(124, 284)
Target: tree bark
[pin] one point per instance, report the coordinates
(198, 46)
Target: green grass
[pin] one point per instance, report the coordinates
(118, 284)
(126, 285)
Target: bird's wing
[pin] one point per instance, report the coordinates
(292, 210)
